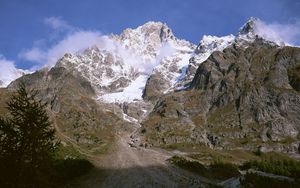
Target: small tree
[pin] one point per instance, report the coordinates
(27, 141)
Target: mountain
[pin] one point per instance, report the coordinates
(135, 100)
(239, 92)
(230, 92)
(240, 97)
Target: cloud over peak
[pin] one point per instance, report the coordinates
(289, 33)
(8, 71)
(74, 40)
(71, 43)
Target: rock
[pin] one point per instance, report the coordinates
(246, 96)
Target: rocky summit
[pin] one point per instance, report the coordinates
(236, 92)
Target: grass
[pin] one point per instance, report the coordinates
(217, 117)
(199, 120)
(68, 165)
(217, 170)
(68, 151)
(208, 155)
(254, 180)
(180, 146)
(275, 164)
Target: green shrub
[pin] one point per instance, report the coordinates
(192, 166)
(218, 170)
(285, 167)
(221, 170)
(67, 169)
(254, 180)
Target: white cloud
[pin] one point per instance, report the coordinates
(35, 54)
(57, 23)
(72, 43)
(166, 50)
(8, 71)
(279, 32)
(77, 42)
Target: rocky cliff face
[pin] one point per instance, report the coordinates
(240, 97)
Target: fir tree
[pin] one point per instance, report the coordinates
(27, 142)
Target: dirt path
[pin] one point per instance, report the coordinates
(138, 167)
(131, 166)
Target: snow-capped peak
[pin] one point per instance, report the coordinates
(249, 27)
(125, 64)
(206, 47)
(119, 68)
(155, 47)
(209, 43)
(146, 40)
(155, 31)
(256, 28)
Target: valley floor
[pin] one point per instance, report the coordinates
(130, 166)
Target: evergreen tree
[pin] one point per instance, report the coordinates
(27, 141)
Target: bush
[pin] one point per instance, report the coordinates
(254, 180)
(283, 167)
(223, 171)
(218, 170)
(67, 169)
(68, 164)
(193, 166)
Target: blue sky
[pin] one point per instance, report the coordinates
(41, 24)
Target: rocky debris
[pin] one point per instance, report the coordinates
(138, 110)
(134, 142)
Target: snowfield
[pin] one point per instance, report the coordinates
(129, 94)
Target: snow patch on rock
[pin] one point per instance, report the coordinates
(131, 93)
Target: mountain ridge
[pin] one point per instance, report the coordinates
(141, 76)
(146, 40)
